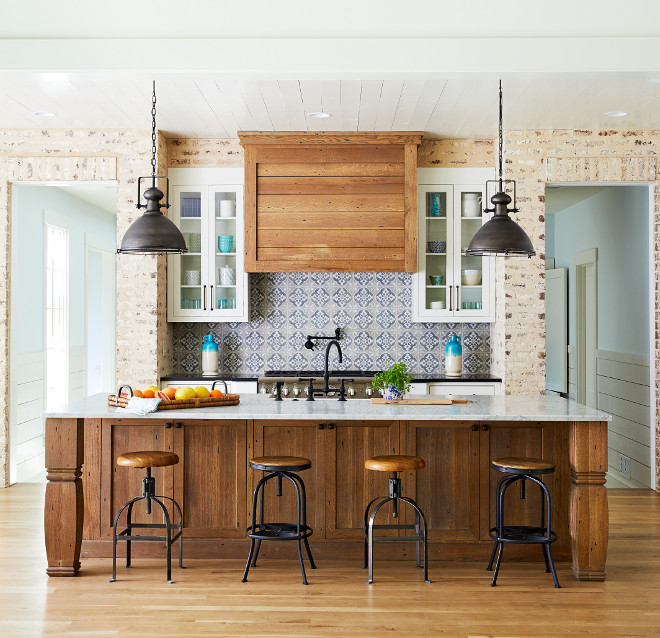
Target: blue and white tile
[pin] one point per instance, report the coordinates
(385, 297)
(363, 341)
(429, 340)
(275, 318)
(407, 341)
(276, 297)
(363, 319)
(385, 319)
(405, 297)
(363, 362)
(385, 278)
(257, 298)
(275, 340)
(274, 361)
(405, 319)
(276, 278)
(342, 319)
(298, 297)
(472, 340)
(298, 362)
(363, 298)
(298, 278)
(473, 363)
(297, 341)
(232, 341)
(429, 363)
(319, 297)
(298, 319)
(409, 360)
(189, 341)
(232, 362)
(384, 361)
(190, 363)
(342, 297)
(363, 278)
(342, 278)
(320, 278)
(385, 340)
(319, 319)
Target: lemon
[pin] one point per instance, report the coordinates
(153, 388)
(184, 392)
(202, 392)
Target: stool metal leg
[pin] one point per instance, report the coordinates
(370, 553)
(129, 514)
(114, 537)
(249, 560)
(179, 527)
(420, 514)
(497, 565)
(366, 529)
(255, 499)
(304, 516)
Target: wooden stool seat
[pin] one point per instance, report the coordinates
(519, 465)
(394, 463)
(280, 463)
(152, 458)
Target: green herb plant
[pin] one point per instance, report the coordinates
(397, 376)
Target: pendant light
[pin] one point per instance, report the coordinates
(501, 235)
(153, 233)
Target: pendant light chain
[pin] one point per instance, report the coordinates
(153, 135)
(501, 142)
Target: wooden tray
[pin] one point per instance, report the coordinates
(178, 404)
(420, 401)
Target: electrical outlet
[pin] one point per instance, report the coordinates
(624, 465)
(166, 348)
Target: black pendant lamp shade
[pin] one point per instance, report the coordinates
(153, 233)
(501, 235)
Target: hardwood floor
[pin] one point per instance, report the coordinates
(209, 599)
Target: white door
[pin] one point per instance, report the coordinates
(586, 307)
(556, 329)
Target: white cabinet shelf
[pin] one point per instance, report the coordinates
(443, 198)
(195, 288)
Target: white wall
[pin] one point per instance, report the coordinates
(27, 347)
(615, 220)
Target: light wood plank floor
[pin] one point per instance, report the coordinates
(208, 599)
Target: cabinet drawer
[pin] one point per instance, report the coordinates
(464, 388)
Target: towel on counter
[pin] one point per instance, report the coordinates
(137, 405)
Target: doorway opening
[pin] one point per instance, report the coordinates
(62, 307)
(602, 237)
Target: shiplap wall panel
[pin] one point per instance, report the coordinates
(624, 391)
(77, 373)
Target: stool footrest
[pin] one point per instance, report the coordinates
(398, 538)
(393, 526)
(279, 531)
(523, 534)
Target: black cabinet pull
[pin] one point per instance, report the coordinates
(168, 426)
(177, 425)
(331, 426)
(475, 427)
(484, 427)
(321, 426)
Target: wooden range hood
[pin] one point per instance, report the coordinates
(330, 201)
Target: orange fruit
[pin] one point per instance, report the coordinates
(148, 394)
(170, 392)
(138, 393)
(153, 388)
(216, 393)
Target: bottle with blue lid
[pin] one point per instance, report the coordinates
(454, 357)
(209, 356)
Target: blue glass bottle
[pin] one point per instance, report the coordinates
(454, 357)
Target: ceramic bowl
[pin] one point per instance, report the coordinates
(436, 280)
(471, 277)
(436, 246)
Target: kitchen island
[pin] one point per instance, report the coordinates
(213, 483)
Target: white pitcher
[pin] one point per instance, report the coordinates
(227, 276)
(471, 204)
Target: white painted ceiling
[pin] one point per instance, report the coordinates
(207, 106)
(102, 196)
(427, 65)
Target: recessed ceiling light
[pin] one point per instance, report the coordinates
(43, 114)
(320, 114)
(616, 113)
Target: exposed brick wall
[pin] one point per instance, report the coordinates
(533, 158)
(122, 155)
(456, 154)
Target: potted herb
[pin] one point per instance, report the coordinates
(393, 382)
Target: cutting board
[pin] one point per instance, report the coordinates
(419, 401)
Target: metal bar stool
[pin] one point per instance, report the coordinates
(394, 463)
(522, 469)
(279, 467)
(147, 460)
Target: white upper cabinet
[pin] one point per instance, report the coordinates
(450, 286)
(208, 283)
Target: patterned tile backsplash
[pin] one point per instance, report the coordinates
(372, 309)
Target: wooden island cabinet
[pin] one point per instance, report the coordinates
(213, 482)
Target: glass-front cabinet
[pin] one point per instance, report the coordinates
(208, 283)
(450, 285)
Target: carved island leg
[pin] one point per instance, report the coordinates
(588, 519)
(63, 511)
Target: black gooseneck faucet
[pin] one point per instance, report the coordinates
(326, 372)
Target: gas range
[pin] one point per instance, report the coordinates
(295, 386)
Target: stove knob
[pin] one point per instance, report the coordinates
(369, 391)
(285, 391)
(263, 389)
(351, 391)
(296, 391)
(307, 391)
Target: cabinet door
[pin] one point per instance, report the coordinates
(350, 486)
(473, 290)
(447, 489)
(187, 274)
(537, 440)
(228, 291)
(435, 230)
(120, 484)
(210, 479)
(291, 438)
(443, 389)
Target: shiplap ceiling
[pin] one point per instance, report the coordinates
(211, 106)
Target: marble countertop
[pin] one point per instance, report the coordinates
(255, 406)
